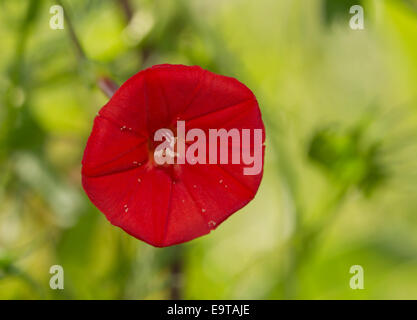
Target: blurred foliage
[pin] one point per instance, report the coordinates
(337, 190)
(345, 157)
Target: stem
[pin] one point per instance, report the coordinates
(129, 12)
(127, 9)
(176, 274)
(72, 33)
(107, 86)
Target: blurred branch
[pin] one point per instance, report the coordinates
(72, 33)
(107, 86)
(176, 273)
(126, 8)
(129, 12)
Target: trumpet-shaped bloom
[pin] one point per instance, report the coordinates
(174, 202)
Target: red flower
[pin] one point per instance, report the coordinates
(171, 203)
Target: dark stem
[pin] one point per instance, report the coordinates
(72, 33)
(127, 9)
(176, 274)
(107, 86)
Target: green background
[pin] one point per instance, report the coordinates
(339, 187)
